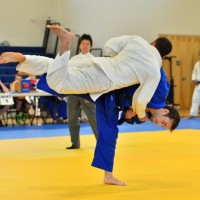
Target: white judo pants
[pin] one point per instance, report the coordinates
(68, 77)
(76, 77)
(195, 101)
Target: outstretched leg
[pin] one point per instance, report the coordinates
(66, 37)
(110, 180)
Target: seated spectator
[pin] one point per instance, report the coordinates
(3, 109)
(31, 99)
(55, 106)
(22, 105)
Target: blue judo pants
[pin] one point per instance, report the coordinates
(107, 118)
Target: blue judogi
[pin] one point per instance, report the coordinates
(107, 109)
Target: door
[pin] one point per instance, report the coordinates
(183, 57)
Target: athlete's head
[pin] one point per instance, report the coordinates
(163, 45)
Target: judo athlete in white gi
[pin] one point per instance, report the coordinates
(132, 60)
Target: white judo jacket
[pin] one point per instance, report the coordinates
(132, 60)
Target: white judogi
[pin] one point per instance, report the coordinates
(196, 94)
(132, 61)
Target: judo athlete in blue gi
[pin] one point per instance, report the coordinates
(107, 110)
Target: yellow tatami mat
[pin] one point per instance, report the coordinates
(154, 165)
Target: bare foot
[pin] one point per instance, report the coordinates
(110, 180)
(8, 57)
(66, 37)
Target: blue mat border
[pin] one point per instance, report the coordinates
(54, 130)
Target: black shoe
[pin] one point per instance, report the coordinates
(192, 117)
(1, 124)
(72, 147)
(60, 121)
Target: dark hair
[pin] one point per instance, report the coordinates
(85, 37)
(163, 45)
(174, 116)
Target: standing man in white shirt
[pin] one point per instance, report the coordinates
(76, 104)
(194, 110)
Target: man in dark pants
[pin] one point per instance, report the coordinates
(75, 104)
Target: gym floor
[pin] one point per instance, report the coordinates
(154, 163)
